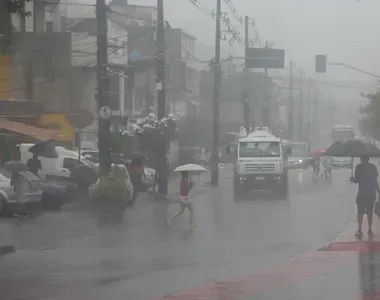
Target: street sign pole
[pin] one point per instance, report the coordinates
(216, 98)
(103, 85)
(291, 104)
(245, 94)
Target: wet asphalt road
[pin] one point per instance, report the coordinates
(73, 255)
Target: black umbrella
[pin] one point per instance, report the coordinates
(352, 148)
(44, 149)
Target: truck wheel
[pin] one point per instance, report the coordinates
(238, 189)
(3, 206)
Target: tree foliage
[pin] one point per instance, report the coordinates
(15, 6)
(369, 124)
(7, 8)
(150, 131)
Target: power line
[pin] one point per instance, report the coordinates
(191, 55)
(235, 34)
(69, 3)
(235, 13)
(110, 10)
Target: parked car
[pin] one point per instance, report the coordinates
(119, 170)
(150, 173)
(341, 162)
(8, 202)
(57, 193)
(148, 181)
(91, 155)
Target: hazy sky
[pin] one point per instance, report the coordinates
(345, 30)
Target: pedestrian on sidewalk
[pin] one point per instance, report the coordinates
(184, 199)
(366, 177)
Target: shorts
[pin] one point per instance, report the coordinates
(185, 201)
(365, 204)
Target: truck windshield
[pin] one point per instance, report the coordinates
(259, 149)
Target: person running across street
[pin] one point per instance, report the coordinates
(184, 199)
(366, 177)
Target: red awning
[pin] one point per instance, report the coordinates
(34, 132)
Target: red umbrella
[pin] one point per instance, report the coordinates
(319, 152)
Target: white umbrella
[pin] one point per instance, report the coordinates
(190, 168)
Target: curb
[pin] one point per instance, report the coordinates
(6, 250)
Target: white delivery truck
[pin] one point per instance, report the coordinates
(55, 168)
(260, 163)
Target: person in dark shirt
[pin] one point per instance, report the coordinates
(316, 166)
(34, 164)
(366, 177)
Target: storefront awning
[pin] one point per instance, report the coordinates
(24, 129)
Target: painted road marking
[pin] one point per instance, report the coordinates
(288, 273)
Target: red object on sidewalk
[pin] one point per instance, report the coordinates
(345, 267)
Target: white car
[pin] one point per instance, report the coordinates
(341, 162)
(7, 200)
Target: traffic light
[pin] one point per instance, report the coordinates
(320, 63)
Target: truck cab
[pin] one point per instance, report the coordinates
(260, 163)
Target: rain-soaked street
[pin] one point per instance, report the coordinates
(73, 255)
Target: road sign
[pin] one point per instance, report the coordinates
(320, 63)
(105, 112)
(264, 58)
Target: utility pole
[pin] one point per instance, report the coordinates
(315, 115)
(245, 94)
(290, 105)
(265, 105)
(301, 109)
(104, 119)
(217, 82)
(308, 123)
(162, 163)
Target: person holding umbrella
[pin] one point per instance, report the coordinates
(185, 187)
(366, 177)
(184, 199)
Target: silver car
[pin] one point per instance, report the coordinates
(7, 198)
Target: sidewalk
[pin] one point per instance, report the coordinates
(345, 269)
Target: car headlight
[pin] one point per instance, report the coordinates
(300, 160)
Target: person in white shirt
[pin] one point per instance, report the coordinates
(327, 166)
